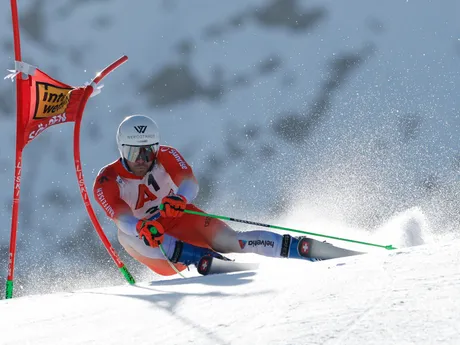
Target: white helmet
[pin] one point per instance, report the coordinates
(138, 136)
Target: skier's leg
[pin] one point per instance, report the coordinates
(224, 239)
(205, 232)
(149, 256)
(271, 244)
(189, 228)
(217, 235)
(212, 233)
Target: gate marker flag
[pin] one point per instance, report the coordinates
(42, 102)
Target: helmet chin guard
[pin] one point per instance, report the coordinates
(138, 136)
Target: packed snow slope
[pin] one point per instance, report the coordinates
(350, 109)
(405, 296)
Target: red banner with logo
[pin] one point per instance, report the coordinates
(47, 102)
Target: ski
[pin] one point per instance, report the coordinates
(209, 265)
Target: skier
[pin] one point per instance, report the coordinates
(131, 190)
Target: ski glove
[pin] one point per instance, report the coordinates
(173, 205)
(150, 231)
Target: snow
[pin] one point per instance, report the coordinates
(354, 168)
(404, 296)
(400, 297)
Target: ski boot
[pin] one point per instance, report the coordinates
(312, 250)
(189, 254)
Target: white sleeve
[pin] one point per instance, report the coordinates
(189, 189)
(127, 224)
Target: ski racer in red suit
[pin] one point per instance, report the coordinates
(131, 190)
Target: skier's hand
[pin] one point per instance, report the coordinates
(173, 205)
(150, 231)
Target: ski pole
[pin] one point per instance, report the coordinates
(154, 231)
(389, 247)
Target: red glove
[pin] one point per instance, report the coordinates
(173, 205)
(150, 231)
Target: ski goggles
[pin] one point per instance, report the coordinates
(147, 153)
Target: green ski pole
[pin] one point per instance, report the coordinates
(389, 247)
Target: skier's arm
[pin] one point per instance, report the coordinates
(188, 189)
(180, 171)
(107, 194)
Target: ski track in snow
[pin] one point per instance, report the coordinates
(409, 233)
(357, 320)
